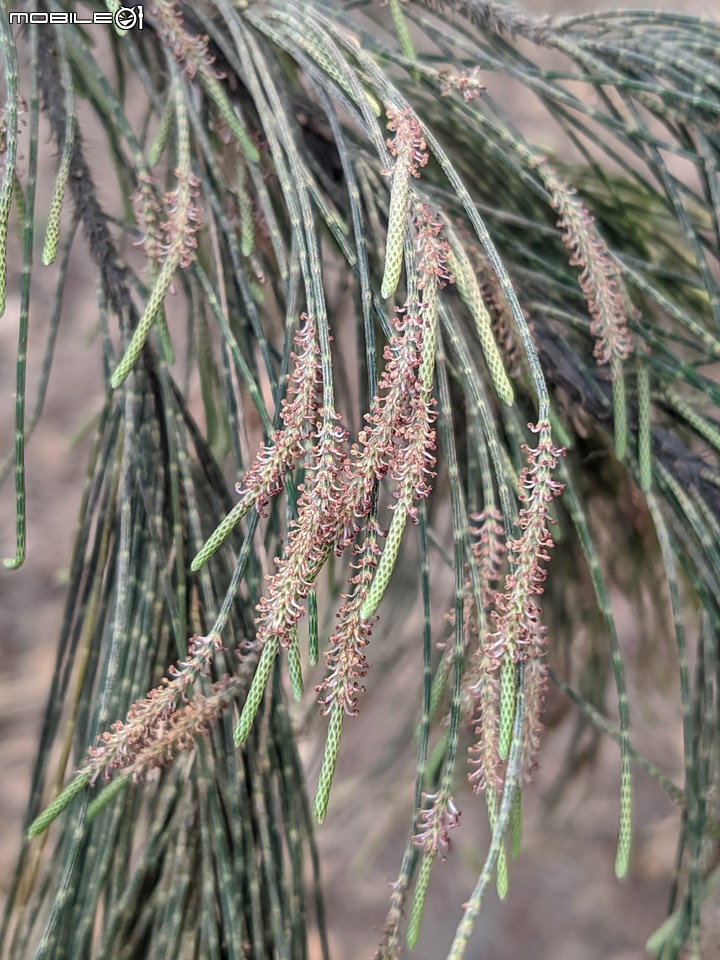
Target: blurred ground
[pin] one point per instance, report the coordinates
(564, 902)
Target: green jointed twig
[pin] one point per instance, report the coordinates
(10, 118)
(507, 703)
(180, 225)
(313, 636)
(579, 520)
(327, 770)
(256, 691)
(644, 441)
(158, 882)
(13, 563)
(387, 562)
(108, 794)
(516, 826)
(52, 233)
(247, 227)
(619, 409)
(221, 533)
(706, 427)
(142, 330)
(403, 33)
(159, 143)
(418, 908)
(501, 870)
(469, 290)
(397, 220)
(294, 665)
(54, 809)
(220, 99)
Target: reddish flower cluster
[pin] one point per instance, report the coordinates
(178, 231)
(398, 440)
(516, 611)
(190, 51)
(399, 437)
(489, 550)
(170, 226)
(503, 324)
(388, 416)
(266, 477)
(337, 493)
(148, 214)
(433, 252)
(481, 687)
(414, 470)
(466, 83)
(147, 719)
(484, 754)
(183, 727)
(517, 630)
(412, 460)
(408, 144)
(435, 823)
(339, 484)
(345, 659)
(599, 277)
(322, 526)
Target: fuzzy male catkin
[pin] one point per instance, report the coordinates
(266, 476)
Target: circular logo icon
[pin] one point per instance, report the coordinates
(126, 18)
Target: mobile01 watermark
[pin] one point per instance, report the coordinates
(124, 18)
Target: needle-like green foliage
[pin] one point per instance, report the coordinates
(528, 333)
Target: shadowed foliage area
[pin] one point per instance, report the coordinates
(417, 338)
